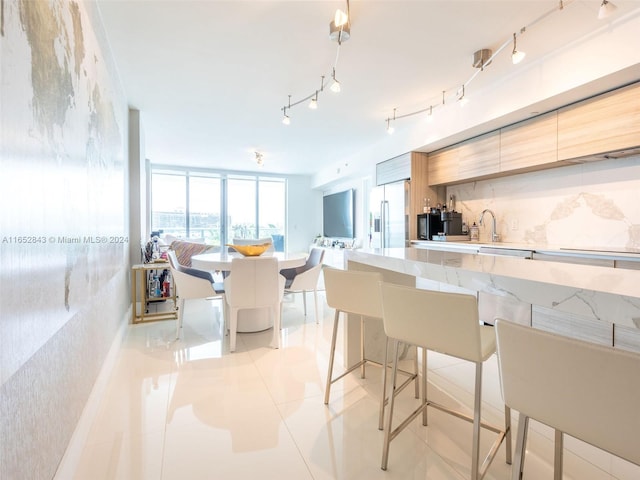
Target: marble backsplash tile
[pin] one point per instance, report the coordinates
(586, 205)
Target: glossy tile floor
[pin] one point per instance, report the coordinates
(189, 409)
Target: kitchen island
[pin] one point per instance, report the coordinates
(594, 303)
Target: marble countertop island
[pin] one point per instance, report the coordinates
(613, 253)
(605, 294)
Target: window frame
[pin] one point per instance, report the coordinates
(223, 176)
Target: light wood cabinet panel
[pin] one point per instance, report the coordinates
(528, 145)
(601, 124)
(420, 190)
(479, 156)
(443, 166)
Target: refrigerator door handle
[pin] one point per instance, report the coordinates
(384, 223)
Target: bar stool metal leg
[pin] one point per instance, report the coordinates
(332, 354)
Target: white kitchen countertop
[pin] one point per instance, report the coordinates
(609, 253)
(603, 293)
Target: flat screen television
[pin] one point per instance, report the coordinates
(338, 213)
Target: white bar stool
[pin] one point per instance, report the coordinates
(358, 293)
(589, 391)
(446, 323)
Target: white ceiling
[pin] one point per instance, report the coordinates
(211, 77)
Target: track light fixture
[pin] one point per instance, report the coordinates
(482, 58)
(259, 159)
(516, 55)
(606, 9)
(340, 31)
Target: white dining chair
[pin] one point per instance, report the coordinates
(191, 283)
(254, 282)
(588, 391)
(305, 279)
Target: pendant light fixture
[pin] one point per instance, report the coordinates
(516, 55)
(606, 9)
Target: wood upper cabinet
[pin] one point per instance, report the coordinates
(601, 124)
(479, 156)
(529, 144)
(443, 166)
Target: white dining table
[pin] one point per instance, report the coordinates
(221, 261)
(255, 319)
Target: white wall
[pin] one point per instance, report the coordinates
(304, 213)
(63, 225)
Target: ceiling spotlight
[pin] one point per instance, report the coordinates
(430, 115)
(313, 104)
(340, 18)
(606, 9)
(516, 56)
(340, 28)
(259, 159)
(335, 86)
(285, 119)
(462, 100)
(390, 127)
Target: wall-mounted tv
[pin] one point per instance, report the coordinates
(338, 213)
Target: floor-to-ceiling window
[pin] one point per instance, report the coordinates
(217, 207)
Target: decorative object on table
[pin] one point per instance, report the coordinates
(250, 250)
(151, 251)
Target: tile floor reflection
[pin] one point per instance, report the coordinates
(189, 409)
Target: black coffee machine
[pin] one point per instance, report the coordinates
(452, 222)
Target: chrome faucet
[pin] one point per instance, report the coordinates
(495, 237)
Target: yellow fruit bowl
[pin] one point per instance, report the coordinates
(250, 250)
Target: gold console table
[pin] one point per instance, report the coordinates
(139, 281)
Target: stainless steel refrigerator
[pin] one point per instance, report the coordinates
(389, 215)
